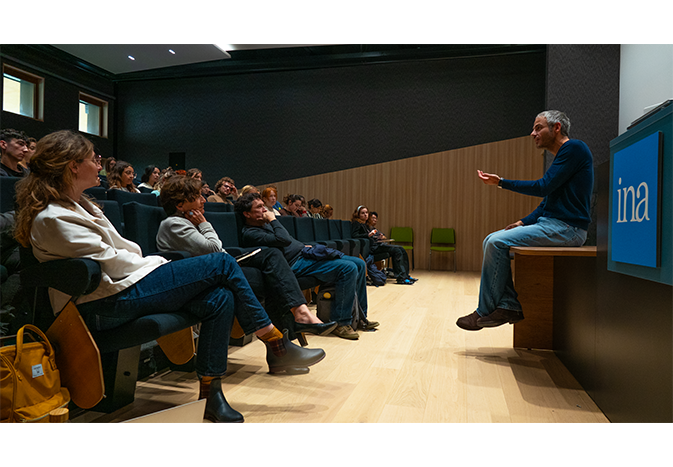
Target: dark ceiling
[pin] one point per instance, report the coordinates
(207, 60)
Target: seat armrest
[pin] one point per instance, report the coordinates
(72, 276)
(172, 255)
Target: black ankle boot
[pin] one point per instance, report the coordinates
(218, 409)
(283, 355)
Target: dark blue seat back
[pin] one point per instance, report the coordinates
(288, 223)
(334, 226)
(304, 229)
(97, 192)
(141, 224)
(7, 193)
(321, 229)
(218, 207)
(225, 225)
(112, 211)
(123, 197)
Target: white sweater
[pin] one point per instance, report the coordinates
(179, 234)
(59, 232)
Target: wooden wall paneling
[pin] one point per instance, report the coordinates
(434, 190)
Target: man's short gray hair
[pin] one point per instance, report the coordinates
(555, 116)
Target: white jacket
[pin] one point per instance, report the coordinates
(59, 232)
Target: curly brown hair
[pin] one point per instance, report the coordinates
(178, 189)
(49, 179)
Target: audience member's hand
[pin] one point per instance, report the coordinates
(373, 232)
(516, 224)
(195, 217)
(269, 216)
(488, 179)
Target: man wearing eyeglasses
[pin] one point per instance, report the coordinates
(14, 148)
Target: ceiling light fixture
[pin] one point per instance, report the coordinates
(131, 57)
(171, 51)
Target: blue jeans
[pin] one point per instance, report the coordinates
(497, 288)
(211, 287)
(348, 276)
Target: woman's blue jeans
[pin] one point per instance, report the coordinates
(211, 287)
(348, 276)
(497, 288)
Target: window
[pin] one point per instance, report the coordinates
(22, 92)
(92, 115)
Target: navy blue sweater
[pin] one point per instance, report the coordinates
(566, 187)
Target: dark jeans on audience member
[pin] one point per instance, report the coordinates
(398, 255)
(211, 287)
(348, 276)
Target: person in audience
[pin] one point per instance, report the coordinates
(195, 173)
(150, 177)
(58, 221)
(373, 220)
(30, 144)
(327, 211)
(277, 205)
(205, 189)
(270, 197)
(186, 229)
(225, 191)
(249, 189)
(561, 219)
(165, 175)
(345, 272)
(14, 148)
(292, 206)
(302, 211)
(314, 208)
(109, 165)
(399, 256)
(122, 177)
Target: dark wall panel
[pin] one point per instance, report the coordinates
(269, 126)
(583, 82)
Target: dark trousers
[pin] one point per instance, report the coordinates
(398, 255)
(280, 288)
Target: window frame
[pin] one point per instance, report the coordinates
(103, 113)
(38, 90)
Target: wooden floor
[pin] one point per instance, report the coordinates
(418, 367)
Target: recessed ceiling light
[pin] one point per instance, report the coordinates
(131, 57)
(171, 51)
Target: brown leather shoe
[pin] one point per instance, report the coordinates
(346, 332)
(469, 322)
(499, 317)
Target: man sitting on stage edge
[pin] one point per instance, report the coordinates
(561, 219)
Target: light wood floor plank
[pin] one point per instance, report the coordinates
(417, 367)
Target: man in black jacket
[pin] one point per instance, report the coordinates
(347, 274)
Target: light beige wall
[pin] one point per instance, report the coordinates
(434, 190)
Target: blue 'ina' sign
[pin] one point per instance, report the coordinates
(635, 202)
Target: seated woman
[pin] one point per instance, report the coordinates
(360, 229)
(150, 177)
(122, 177)
(186, 229)
(292, 206)
(270, 197)
(314, 208)
(327, 211)
(58, 221)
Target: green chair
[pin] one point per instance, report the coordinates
(404, 235)
(447, 239)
